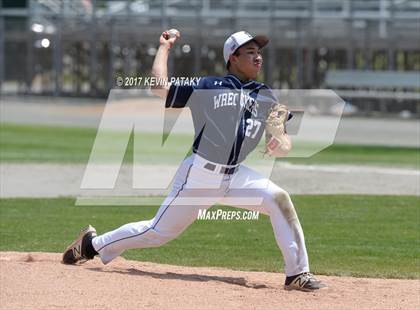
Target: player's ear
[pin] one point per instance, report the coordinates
(232, 58)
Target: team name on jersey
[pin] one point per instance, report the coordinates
(249, 103)
(231, 99)
(225, 99)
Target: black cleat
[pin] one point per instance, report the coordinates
(303, 282)
(78, 250)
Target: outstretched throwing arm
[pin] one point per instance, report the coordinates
(160, 64)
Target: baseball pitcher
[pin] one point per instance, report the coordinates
(230, 115)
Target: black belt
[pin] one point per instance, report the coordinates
(223, 170)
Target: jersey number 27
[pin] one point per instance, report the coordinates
(252, 127)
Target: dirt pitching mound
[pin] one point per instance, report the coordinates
(40, 281)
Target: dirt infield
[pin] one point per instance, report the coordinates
(40, 281)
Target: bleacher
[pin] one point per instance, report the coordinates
(311, 43)
(385, 87)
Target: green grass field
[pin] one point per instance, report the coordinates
(372, 236)
(24, 143)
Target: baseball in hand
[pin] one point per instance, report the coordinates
(172, 33)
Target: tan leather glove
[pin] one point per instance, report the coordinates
(278, 142)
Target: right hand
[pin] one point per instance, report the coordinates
(166, 40)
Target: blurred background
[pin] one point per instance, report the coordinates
(368, 51)
(60, 60)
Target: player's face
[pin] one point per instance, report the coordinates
(249, 61)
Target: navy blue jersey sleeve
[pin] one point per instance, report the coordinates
(178, 95)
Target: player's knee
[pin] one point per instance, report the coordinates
(282, 199)
(162, 237)
(285, 205)
(274, 199)
(159, 239)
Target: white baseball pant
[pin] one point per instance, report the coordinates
(195, 188)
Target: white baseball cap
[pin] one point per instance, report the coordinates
(238, 39)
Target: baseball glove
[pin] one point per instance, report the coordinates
(278, 142)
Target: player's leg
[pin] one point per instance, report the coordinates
(288, 232)
(169, 222)
(277, 204)
(175, 214)
(172, 218)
